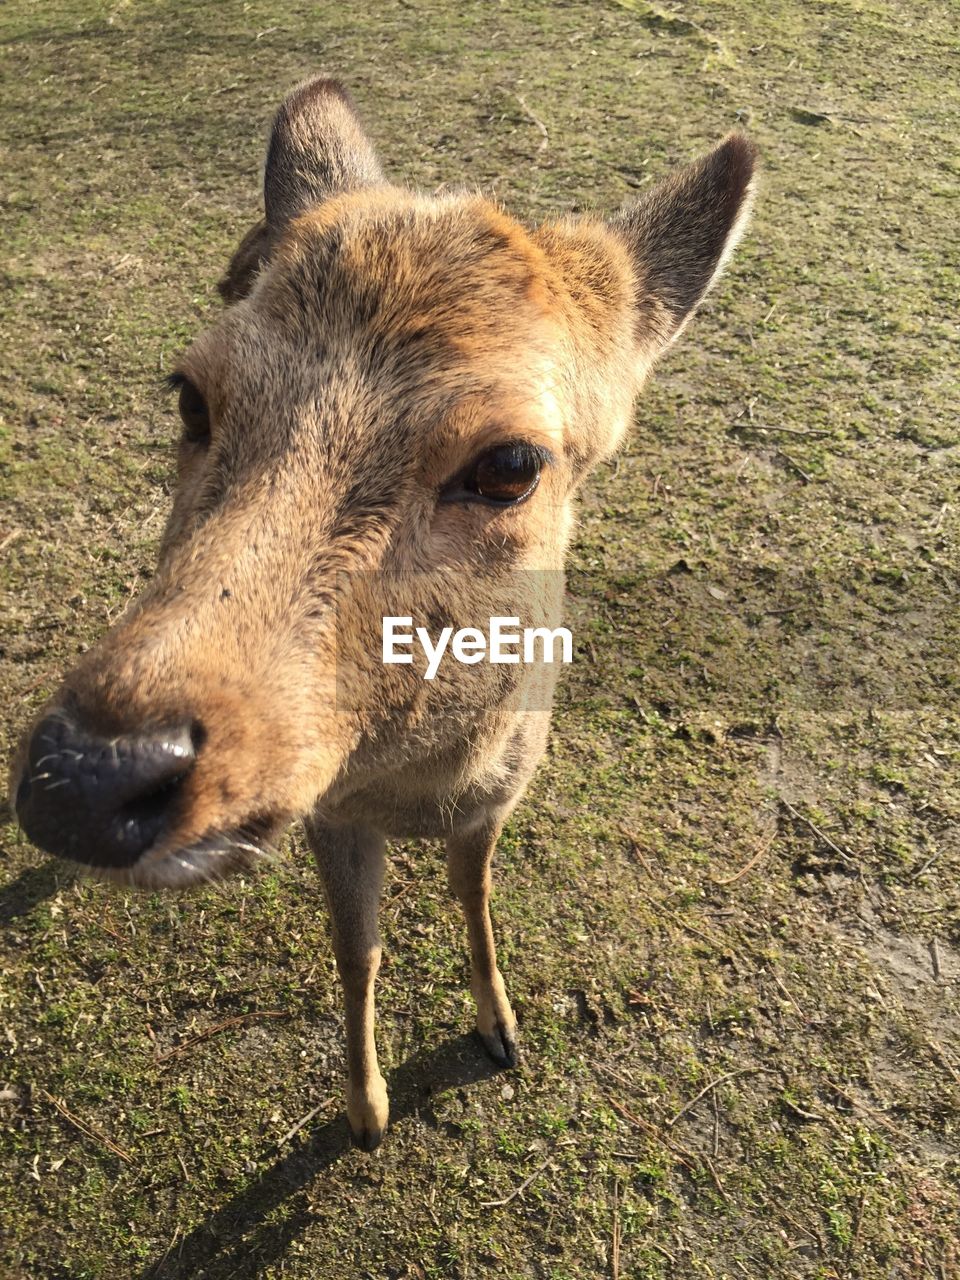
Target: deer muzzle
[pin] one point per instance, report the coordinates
(102, 801)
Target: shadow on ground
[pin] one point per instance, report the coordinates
(30, 888)
(235, 1241)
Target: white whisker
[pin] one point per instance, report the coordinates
(209, 859)
(256, 850)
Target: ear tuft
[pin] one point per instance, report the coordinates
(317, 149)
(681, 234)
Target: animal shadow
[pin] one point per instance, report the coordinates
(30, 888)
(235, 1242)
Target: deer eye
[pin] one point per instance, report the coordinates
(504, 475)
(194, 412)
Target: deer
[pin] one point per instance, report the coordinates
(391, 416)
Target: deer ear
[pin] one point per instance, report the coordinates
(245, 265)
(680, 235)
(317, 149)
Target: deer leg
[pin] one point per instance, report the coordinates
(351, 859)
(469, 855)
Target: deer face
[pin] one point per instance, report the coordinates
(390, 418)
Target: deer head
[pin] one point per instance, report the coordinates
(391, 416)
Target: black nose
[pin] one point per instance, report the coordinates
(101, 801)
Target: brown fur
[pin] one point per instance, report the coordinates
(375, 343)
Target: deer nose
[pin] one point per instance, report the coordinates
(101, 801)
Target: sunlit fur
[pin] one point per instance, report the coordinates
(375, 342)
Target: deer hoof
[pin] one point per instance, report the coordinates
(367, 1139)
(500, 1044)
(368, 1113)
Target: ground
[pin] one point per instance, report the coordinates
(728, 906)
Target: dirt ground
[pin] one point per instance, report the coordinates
(729, 905)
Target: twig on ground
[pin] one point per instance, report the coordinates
(854, 1244)
(915, 875)
(810, 1232)
(402, 892)
(638, 852)
(799, 1111)
(613, 1075)
(687, 1158)
(862, 1106)
(748, 866)
(790, 431)
(665, 913)
(169, 1249)
(112, 932)
(708, 1165)
(794, 465)
(813, 1115)
(300, 1123)
(845, 857)
(217, 1028)
(935, 959)
(786, 993)
(87, 1130)
(940, 1052)
(644, 1125)
(499, 1204)
(615, 1233)
(666, 1252)
(545, 140)
(729, 1075)
(41, 679)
